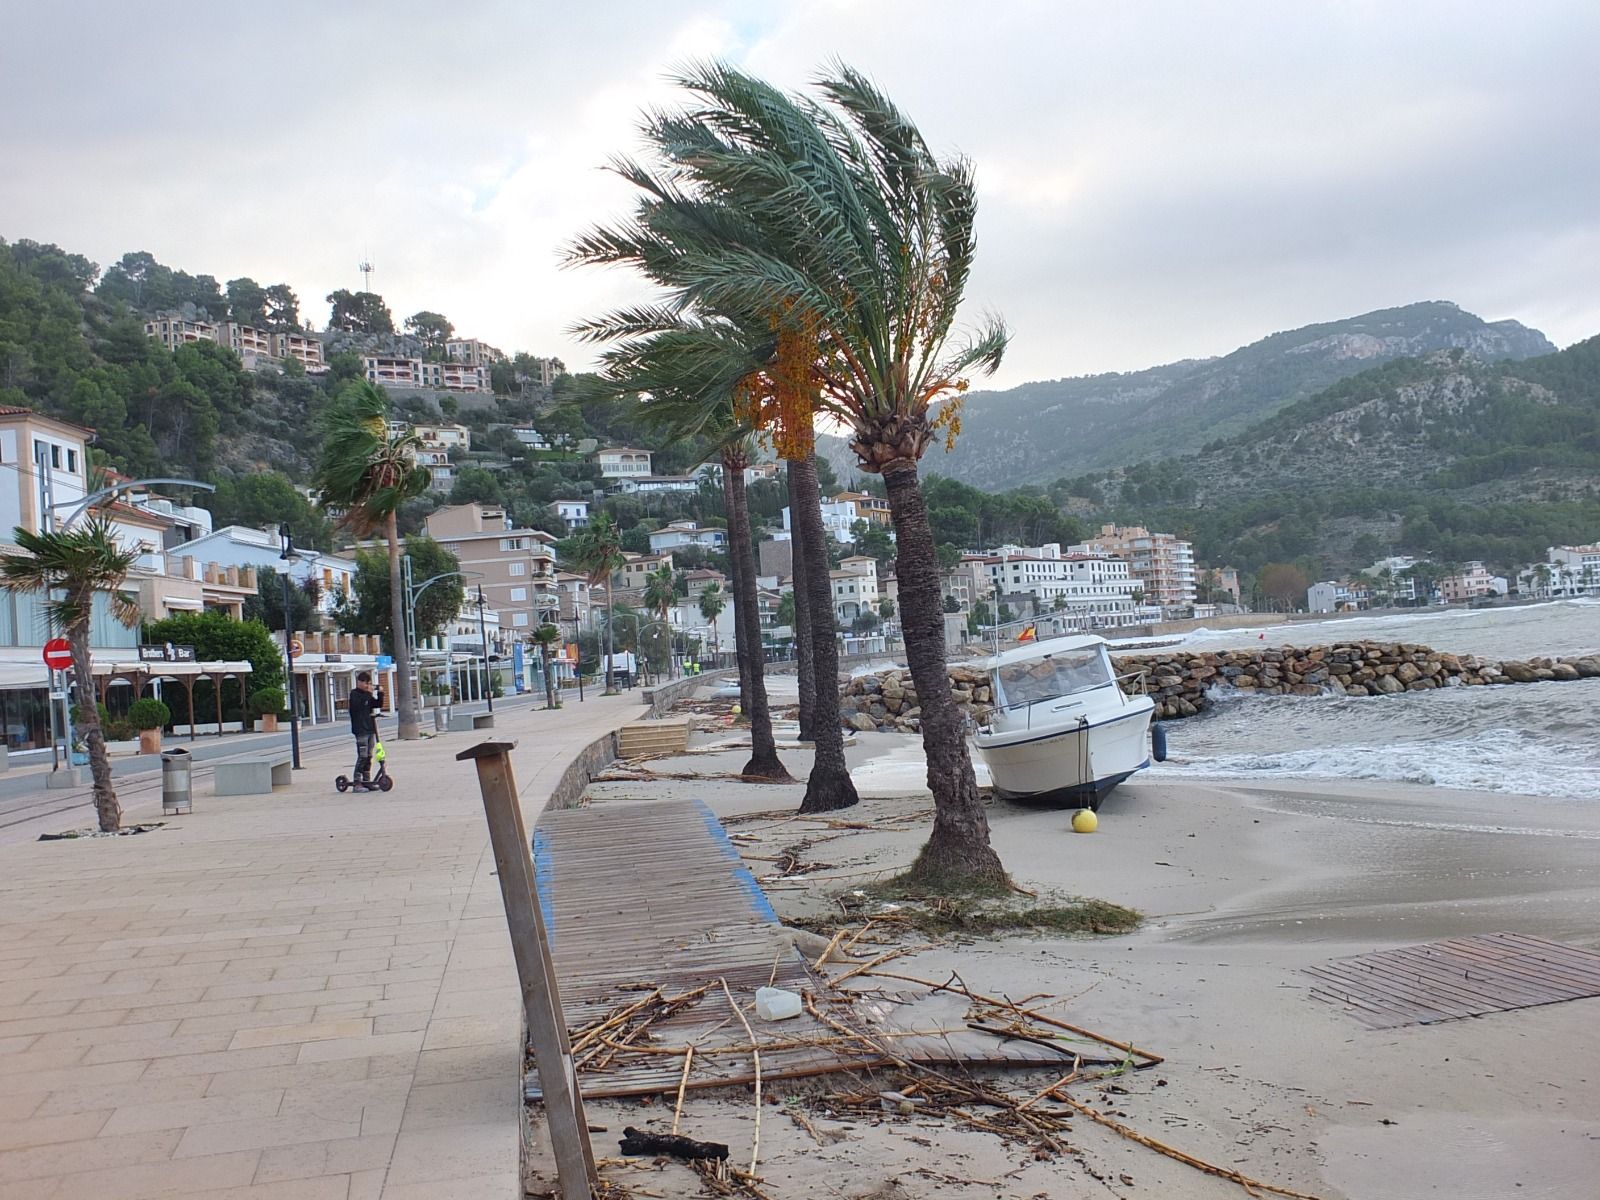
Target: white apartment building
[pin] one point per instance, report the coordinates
(240, 546)
(688, 533)
(855, 588)
(838, 517)
(623, 462)
(1162, 564)
(574, 512)
(654, 484)
(302, 347)
(1094, 588)
(1572, 570)
(1332, 596)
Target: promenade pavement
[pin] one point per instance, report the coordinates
(302, 996)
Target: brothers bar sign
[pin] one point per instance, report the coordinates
(166, 652)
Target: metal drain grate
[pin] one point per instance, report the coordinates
(1459, 977)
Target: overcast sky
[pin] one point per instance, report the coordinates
(1157, 181)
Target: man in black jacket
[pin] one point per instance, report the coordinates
(364, 705)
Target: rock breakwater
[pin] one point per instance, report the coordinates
(1179, 682)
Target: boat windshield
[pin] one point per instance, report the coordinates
(1061, 674)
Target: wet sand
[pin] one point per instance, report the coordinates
(1242, 886)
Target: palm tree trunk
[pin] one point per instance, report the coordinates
(764, 761)
(828, 787)
(410, 729)
(737, 581)
(611, 646)
(549, 676)
(958, 850)
(106, 805)
(805, 666)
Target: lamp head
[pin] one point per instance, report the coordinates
(285, 541)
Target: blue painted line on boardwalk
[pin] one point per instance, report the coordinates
(741, 873)
(544, 874)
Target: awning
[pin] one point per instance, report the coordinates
(23, 675)
(183, 602)
(158, 669)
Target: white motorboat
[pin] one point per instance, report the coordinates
(1061, 728)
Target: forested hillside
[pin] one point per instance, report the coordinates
(1038, 432)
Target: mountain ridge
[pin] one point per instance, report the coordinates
(1043, 430)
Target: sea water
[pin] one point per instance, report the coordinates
(1539, 739)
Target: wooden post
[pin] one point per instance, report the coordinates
(541, 1001)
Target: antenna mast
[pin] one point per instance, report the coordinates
(366, 274)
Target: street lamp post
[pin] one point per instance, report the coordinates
(483, 638)
(577, 650)
(289, 555)
(413, 594)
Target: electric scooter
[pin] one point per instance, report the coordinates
(381, 782)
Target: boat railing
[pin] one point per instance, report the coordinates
(1144, 689)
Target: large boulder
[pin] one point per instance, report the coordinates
(862, 723)
(1387, 685)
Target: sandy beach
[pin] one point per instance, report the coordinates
(1241, 886)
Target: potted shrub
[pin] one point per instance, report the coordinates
(266, 705)
(149, 716)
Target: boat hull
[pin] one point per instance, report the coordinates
(1077, 765)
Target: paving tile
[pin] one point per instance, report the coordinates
(475, 1101)
(308, 1031)
(471, 1031)
(120, 1095)
(42, 1131)
(204, 1110)
(367, 1185)
(258, 1134)
(222, 1060)
(340, 1157)
(360, 1047)
(462, 1063)
(251, 1018)
(188, 1177)
(323, 1187)
(288, 1078)
(61, 1158)
(458, 1152)
(158, 1047)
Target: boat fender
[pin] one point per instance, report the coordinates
(1158, 742)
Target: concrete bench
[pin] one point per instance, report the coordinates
(253, 776)
(467, 722)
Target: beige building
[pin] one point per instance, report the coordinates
(855, 587)
(249, 343)
(300, 346)
(173, 331)
(638, 568)
(517, 565)
(472, 352)
(1161, 563)
(623, 462)
(867, 507)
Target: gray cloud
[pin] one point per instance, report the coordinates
(1158, 181)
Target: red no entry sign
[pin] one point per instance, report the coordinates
(58, 654)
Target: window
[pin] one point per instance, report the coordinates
(55, 456)
(516, 568)
(519, 594)
(72, 461)
(519, 618)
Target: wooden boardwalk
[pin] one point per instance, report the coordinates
(1460, 977)
(640, 896)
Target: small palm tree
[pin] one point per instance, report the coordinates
(546, 636)
(70, 568)
(660, 590)
(712, 603)
(368, 471)
(597, 555)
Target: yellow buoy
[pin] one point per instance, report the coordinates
(736, 708)
(1084, 821)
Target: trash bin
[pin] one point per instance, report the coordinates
(441, 718)
(177, 788)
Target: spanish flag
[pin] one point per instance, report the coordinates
(1028, 634)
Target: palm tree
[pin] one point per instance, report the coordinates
(836, 224)
(368, 471)
(660, 590)
(597, 555)
(689, 374)
(711, 606)
(69, 569)
(545, 637)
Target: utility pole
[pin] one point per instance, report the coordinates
(288, 556)
(483, 638)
